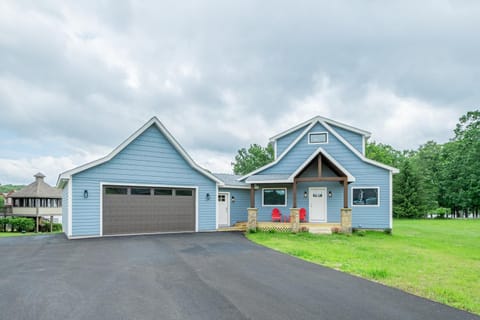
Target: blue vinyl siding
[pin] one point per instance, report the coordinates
(355, 139)
(148, 160)
(285, 141)
(265, 212)
(65, 204)
(238, 209)
(366, 175)
(334, 204)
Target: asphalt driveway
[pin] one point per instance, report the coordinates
(187, 276)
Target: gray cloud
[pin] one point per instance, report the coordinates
(78, 77)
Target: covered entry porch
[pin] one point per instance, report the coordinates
(317, 191)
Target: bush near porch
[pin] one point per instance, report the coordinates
(435, 259)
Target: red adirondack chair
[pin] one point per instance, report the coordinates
(276, 215)
(303, 215)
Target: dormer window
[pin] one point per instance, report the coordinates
(318, 137)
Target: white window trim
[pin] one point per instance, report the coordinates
(275, 205)
(365, 205)
(322, 132)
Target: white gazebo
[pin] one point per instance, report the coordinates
(37, 200)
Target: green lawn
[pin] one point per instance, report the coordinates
(436, 259)
(19, 234)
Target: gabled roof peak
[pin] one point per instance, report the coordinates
(65, 176)
(321, 119)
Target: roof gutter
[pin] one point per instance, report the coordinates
(62, 181)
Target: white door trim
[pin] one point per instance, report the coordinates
(227, 198)
(310, 190)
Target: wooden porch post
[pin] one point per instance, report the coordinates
(345, 193)
(252, 196)
(294, 193)
(319, 165)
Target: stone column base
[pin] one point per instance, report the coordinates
(252, 219)
(295, 219)
(346, 220)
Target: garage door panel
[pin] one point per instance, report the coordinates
(129, 214)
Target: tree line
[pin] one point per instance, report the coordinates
(436, 180)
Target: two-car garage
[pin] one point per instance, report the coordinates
(141, 209)
(148, 184)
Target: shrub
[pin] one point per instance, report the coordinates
(336, 230)
(441, 213)
(57, 227)
(23, 224)
(45, 226)
(252, 230)
(3, 223)
(303, 229)
(360, 233)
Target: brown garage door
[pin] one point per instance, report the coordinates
(129, 210)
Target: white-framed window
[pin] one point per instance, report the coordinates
(274, 197)
(317, 137)
(365, 196)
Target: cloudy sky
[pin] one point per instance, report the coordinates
(78, 77)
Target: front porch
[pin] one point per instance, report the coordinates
(317, 186)
(313, 227)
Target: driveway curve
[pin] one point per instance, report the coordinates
(187, 276)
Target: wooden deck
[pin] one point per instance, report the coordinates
(282, 226)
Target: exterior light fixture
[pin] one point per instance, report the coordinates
(85, 194)
(330, 194)
(207, 196)
(305, 195)
(233, 198)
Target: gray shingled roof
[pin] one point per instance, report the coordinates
(38, 189)
(267, 177)
(231, 180)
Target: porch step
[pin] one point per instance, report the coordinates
(240, 229)
(239, 226)
(320, 230)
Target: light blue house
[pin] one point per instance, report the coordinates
(149, 184)
(320, 165)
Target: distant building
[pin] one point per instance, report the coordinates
(7, 202)
(37, 200)
(7, 198)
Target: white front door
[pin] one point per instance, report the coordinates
(317, 200)
(223, 209)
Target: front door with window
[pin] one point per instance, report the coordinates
(223, 209)
(317, 204)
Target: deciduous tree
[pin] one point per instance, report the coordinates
(248, 160)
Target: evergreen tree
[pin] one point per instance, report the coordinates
(408, 199)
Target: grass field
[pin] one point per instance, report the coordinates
(19, 234)
(436, 259)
